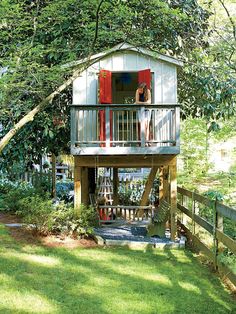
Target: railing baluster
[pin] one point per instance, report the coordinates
(107, 127)
(142, 113)
(177, 126)
(127, 121)
(123, 127)
(128, 125)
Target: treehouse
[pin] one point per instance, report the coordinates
(106, 130)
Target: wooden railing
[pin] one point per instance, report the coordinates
(119, 213)
(114, 125)
(188, 204)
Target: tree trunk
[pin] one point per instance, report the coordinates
(30, 115)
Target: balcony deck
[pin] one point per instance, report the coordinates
(114, 129)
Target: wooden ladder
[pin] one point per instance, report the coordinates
(106, 190)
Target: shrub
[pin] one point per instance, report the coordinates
(61, 218)
(13, 192)
(76, 222)
(5, 186)
(44, 217)
(63, 190)
(36, 211)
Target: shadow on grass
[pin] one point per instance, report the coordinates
(107, 280)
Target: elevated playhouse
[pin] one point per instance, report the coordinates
(105, 131)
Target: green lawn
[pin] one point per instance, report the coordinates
(37, 279)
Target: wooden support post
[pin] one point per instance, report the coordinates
(54, 176)
(161, 192)
(166, 184)
(173, 200)
(115, 186)
(164, 193)
(147, 189)
(77, 184)
(84, 186)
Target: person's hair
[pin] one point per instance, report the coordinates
(143, 85)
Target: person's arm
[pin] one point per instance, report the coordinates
(137, 98)
(149, 100)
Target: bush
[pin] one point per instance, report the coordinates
(63, 190)
(76, 222)
(12, 193)
(44, 217)
(36, 211)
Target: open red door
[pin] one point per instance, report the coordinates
(105, 97)
(105, 87)
(145, 76)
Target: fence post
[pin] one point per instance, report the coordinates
(193, 212)
(218, 224)
(215, 242)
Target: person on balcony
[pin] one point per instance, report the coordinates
(143, 97)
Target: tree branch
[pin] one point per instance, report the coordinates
(230, 18)
(97, 20)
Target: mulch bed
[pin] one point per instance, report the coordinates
(26, 236)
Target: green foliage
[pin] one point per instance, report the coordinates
(42, 36)
(11, 194)
(35, 211)
(214, 195)
(76, 222)
(131, 193)
(63, 190)
(44, 217)
(88, 217)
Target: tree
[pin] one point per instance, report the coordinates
(52, 33)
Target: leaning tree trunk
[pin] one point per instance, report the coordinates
(30, 115)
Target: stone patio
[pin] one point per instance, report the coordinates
(133, 235)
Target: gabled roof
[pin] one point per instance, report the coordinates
(126, 47)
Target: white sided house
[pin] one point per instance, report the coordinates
(108, 129)
(110, 84)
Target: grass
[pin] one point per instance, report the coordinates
(37, 279)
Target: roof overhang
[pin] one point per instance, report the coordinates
(123, 47)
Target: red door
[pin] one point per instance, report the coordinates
(145, 76)
(105, 97)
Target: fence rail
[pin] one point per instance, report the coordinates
(124, 125)
(215, 229)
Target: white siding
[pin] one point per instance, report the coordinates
(130, 61)
(92, 80)
(156, 68)
(80, 89)
(169, 84)
(165, 75)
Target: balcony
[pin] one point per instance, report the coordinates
(114, 129)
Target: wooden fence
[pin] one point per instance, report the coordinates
(188, 204)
